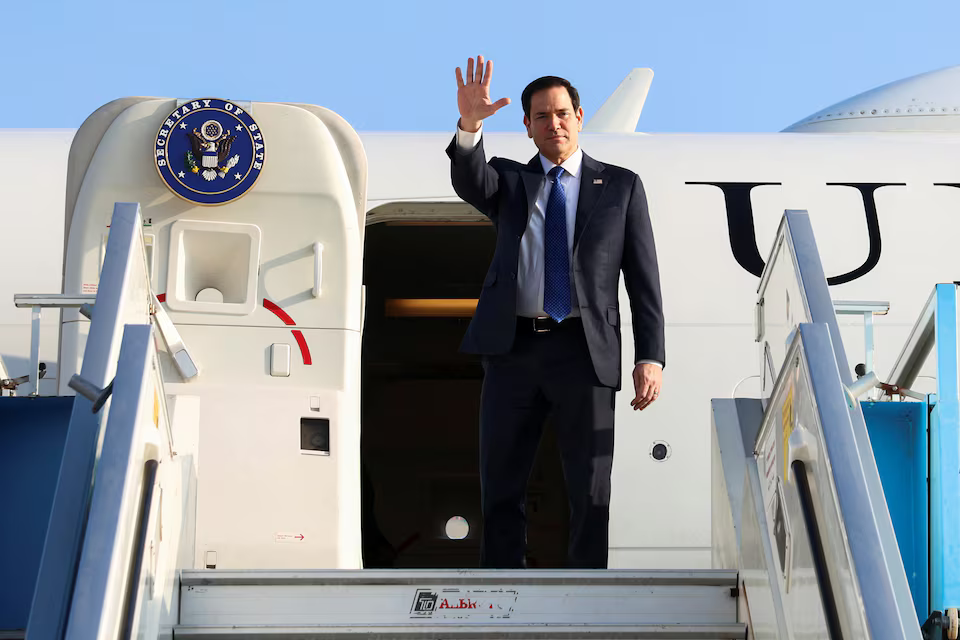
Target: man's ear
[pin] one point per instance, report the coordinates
(526, 123)
(579, 118)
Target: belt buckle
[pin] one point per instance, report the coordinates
(537, 329)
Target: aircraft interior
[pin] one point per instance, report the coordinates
(421, 401)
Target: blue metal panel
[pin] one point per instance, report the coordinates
(945, 459)
(898, 436)
(32, 433)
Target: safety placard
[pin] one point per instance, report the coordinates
(787, 427)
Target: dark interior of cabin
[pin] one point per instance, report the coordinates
(420, 399)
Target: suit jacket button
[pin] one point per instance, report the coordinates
(513, 276)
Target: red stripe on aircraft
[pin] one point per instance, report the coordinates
(297, 334)
(304, 349)
(287, 320)
(277, 311)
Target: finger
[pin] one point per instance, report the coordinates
(635, 403)
(469, 70)
(501, 103)
(654, 394)
(479, 69)
(487, 73)
(646, 396)
(459, 78)
(644, 402)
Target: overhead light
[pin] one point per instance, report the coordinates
(457, 528)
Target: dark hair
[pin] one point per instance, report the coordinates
(548, 82)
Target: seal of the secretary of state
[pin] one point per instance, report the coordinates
(209, 151)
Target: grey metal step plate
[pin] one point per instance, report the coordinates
(458, 598)
(433, 632)
(665, 577)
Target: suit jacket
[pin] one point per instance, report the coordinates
(612, 233)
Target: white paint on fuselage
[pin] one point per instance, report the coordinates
(661, 510)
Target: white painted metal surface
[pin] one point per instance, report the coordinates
(924, 102)
(258, 254)
(621, 112)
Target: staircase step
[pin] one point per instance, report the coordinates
(411, 599)
(449, 632)
(262, 577)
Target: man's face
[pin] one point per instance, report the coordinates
(553, 124)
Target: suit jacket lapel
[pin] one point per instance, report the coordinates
(592, 185)
(532, 179)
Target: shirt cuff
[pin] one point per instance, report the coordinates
(466, 140)
(656, 362)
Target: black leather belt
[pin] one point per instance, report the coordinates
(545, 325)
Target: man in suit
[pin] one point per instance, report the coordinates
(548, 322)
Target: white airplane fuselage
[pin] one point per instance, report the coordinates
(883, 211)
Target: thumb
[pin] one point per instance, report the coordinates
(499, 104)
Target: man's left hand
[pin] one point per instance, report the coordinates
(647, 380)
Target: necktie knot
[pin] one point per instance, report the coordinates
(555, 173)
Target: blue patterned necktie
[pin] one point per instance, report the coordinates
(556, 260)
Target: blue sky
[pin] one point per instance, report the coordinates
(751, 65)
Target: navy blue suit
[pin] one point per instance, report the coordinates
(571, 371)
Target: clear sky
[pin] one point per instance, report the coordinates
(733, 65)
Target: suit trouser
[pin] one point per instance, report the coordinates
(545, 373)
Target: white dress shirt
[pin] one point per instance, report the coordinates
(530, 267)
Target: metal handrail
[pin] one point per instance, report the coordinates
(36, 302)
(870, 539)
(812, 527)
(129, 610)
(52, 300)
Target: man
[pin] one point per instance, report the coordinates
(548, 323)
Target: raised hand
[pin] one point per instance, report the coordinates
(473, 96)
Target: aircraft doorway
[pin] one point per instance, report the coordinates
(420, 399)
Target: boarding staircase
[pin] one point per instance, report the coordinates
(117, 561)
(123, 569)
(459, 604)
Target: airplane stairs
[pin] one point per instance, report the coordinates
(804, 543)
(459, 604)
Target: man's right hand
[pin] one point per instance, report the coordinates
(473, 96)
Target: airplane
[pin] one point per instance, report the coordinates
(379, 302)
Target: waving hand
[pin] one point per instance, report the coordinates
(473, 96)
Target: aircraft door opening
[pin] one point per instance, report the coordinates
(420, 404)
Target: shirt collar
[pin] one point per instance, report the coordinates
(571, 165)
